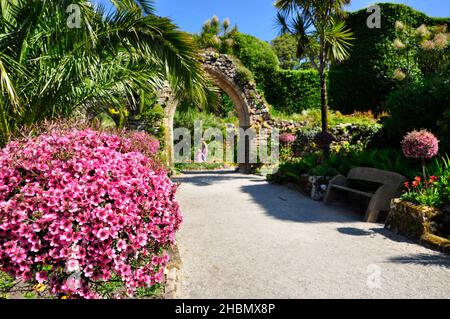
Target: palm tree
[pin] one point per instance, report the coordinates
(49, 69)
(322, 37)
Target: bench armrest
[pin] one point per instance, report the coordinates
(383, 196)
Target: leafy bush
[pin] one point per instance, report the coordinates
(81, 208)
(293, 91)
(311, 118)
(419, 106)
(368, 72)
(346, 137)
(444, 130)
(385, 159)
(290, 172)
(285, 47)
(343, 162)
(188, 118)
(152, 118)
(288, 91)
(50, 70)
(243, 74)
(257, 55)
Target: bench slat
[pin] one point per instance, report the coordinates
(353, 190)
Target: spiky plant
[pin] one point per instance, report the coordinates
(322, 36)
(49, 69)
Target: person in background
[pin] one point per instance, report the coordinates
(204, 150)
(198, 156)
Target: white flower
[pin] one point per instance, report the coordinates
(73, 265)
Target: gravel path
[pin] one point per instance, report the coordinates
(245, 238)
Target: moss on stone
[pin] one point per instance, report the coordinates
(416, 222)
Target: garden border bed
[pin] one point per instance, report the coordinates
(173, 275)
(414, 222)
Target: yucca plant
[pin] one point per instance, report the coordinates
(49, 69)
(217, 35)
(321, 34)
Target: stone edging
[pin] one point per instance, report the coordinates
(415, 223)
(436, 243)
(173, 275)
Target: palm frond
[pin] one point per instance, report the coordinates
(338, 41)
(48, 69)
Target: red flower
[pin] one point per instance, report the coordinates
(418, 179)
(433, 179)
(415, 184)
(406, 184)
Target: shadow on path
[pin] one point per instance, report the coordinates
(286, 204)
(207, 178)
(423, 259)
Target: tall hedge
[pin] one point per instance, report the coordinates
(292, 91)
(363, 82)
(257, 55)
(288, 91)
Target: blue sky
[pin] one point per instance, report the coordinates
(256, 17)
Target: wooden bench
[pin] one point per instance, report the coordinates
(382, 187)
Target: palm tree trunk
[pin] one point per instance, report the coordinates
(324, 100)
(323, 87)
(323, 96)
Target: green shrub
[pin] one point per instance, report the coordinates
(364, 81)
(257, 55)
(444, 130)
(385, 159)
(422, 105)
(292, 91)
(289, 91)
(348, 136)
(311, 118)
(186, 119)
(244, 75)
(290, 172)
(343, 162)
(285, 46)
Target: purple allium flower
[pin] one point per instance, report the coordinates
(420, 144)
(287, 138)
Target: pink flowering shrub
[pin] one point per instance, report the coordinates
(143, 143)
(80, 208)
(420, 144)
(287, 138)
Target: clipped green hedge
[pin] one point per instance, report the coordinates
(420, 105)
(363, 82)
(257, 55)
(292, 91)
(288, 91)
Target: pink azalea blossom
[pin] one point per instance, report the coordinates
(41, 277)
(87, 201)
(73, 265)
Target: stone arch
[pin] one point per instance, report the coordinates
(227, 74)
